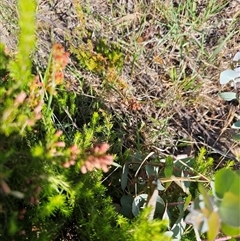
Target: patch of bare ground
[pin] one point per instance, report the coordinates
(173, 60)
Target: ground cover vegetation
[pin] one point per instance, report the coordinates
(119, 120)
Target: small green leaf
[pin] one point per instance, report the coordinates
(236, 137)
(228, 96)
(187, 201)
(213, 225)
(228, 230)
(228, 75)
(13, 226)
(229, 210)
(168, 170)
(226, 181)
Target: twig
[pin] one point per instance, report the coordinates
(193, 170)
(109, 175)
(150, 154)
(188, 179)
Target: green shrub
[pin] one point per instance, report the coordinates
(44, 193)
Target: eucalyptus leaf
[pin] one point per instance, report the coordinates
(126, 200)
(180, 204)
(169, 233)
(228, 96)
(185, 184)
(226, 181)
(198, 211)
(236, 125)
(228, 75)
(160, 187)
(167, 216)
(180, 225)
(229, 210)
(237, 70)
(214, 226)
(151, 170)
(189, 161)
(236, 57)
(228, 230)
(197, 218)
(126, 211)
(138, 203)
(160, 207)
(222, 182)
(178, 229)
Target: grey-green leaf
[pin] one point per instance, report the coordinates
(126, 203)
(180, 225)
(126, 200)
(160, 187)
(228, 96)
(236, 56)
(236, 125)
(138, 203)
(230, 209)
(151, 170)
(228, 75)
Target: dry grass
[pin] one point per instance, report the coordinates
(173, 54)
